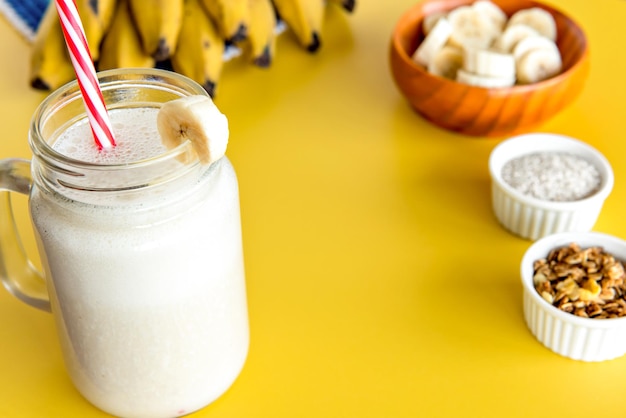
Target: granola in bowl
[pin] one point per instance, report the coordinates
(574, 294)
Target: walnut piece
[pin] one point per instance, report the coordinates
(589, 282)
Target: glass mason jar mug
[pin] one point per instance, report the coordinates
(143, 262)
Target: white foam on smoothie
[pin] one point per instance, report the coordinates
(134, 131)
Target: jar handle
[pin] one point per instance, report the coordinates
(17, 272)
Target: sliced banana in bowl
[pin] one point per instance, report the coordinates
(432, 44)
(472, 27)
(492, 44)
(538, 65)
(533, 42)
(495, 14)
(509, 38)
(489, 63)
(446, 62)
(478, 80)
(537, 18)
(508, 86)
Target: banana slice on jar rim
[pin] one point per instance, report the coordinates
(195, 119)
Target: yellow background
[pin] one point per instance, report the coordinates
(379, 282)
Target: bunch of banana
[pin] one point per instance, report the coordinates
(199, 54)
(50, 61)
(191, 37)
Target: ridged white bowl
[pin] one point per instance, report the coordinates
(534, 218)
(566, 334)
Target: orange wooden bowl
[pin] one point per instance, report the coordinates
(481, 111)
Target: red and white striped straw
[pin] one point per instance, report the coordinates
(85, 73)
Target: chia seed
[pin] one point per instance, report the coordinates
(552, 176)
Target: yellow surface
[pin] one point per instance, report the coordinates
(379, 282)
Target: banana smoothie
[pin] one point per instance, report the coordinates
(146, 283)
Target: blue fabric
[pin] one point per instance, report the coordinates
(25, 15)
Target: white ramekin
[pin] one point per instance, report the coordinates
(532, 218)
(566, 334)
